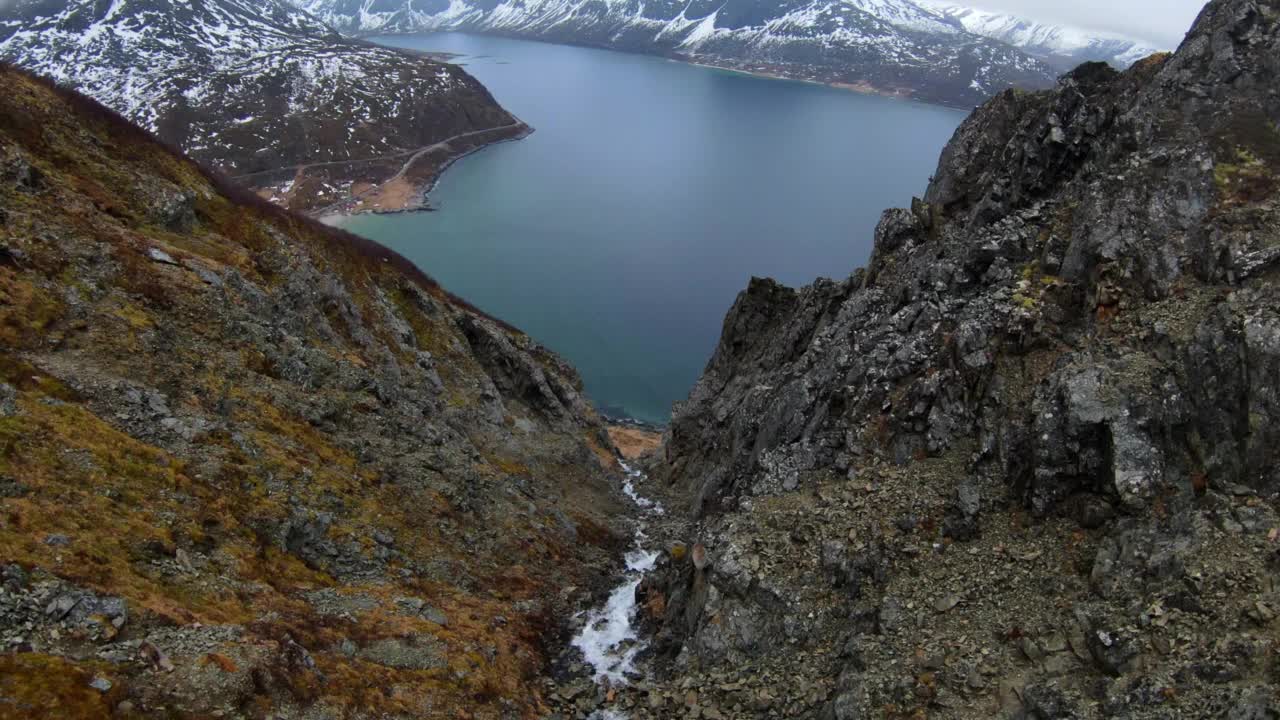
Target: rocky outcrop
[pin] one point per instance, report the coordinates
(1024, 463)
(252, 466)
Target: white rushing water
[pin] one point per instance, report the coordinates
(608, 640)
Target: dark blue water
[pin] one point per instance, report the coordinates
(619, 233)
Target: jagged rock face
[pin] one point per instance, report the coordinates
(255, 467)
(1072, 217)
(1037, 433)
(246, 87)
(888, 46)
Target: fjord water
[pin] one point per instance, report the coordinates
(620, 232)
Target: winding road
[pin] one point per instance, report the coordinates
(412, 154)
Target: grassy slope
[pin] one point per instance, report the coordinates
(85, 310)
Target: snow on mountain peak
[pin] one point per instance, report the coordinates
(891, 46)
(1063, 46)
(246, 86)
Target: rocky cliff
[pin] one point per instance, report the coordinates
(1026, 463)
(254, 467)
(263, 92)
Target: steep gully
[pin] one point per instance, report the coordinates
(609, 640)
(1025, 463)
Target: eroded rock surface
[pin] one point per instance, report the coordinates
(1025, 463)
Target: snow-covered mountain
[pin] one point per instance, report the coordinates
(1062, 46)
(245, 85)
(888, 46)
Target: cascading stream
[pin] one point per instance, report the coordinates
(608, 640)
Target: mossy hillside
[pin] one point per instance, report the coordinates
(224, 412)
(39, 685)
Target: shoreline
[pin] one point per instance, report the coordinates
(630, 422)
(525, 131)
(420, 191)
(416, 174)
(859, 87)
(632, 442)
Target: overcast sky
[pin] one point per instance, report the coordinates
(1162, 22)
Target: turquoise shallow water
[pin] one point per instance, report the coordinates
(620, 232)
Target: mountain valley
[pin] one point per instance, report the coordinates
(1023, 464)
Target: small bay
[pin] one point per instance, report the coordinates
(620, 232)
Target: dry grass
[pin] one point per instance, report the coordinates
(85, 291)
(634, 442)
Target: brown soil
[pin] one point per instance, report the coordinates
(397, 194)
(394, 183)
(634, 442)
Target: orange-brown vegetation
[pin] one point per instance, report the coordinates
(198, 529)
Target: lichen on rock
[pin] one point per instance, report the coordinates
(1024, 464)
(233, 440)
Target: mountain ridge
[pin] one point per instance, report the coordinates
(254, 88)
(890, 47)
(1062, 46)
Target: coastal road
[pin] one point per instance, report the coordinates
(411, 154)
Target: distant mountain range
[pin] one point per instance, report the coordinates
(1063, 47)
(270, 92)
(251, 85)
(886, 46)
